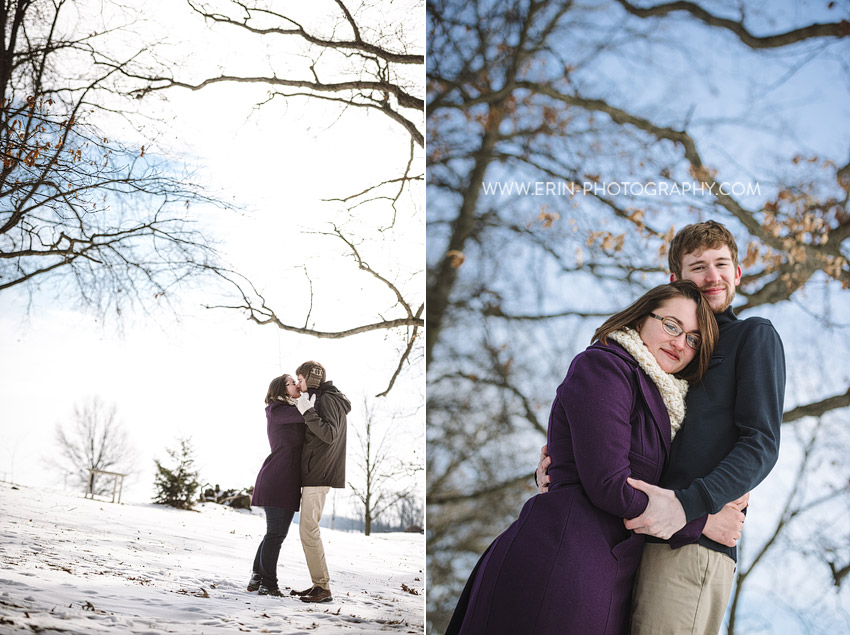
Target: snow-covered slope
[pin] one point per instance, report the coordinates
(69, 564)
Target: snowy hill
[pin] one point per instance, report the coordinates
(75, 565)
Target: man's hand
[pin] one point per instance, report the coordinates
(726, 525)
(663, 516)
(305, 402)
(741, 503)
(542, 471)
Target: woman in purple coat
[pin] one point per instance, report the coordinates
(278, 486)
(566, 566)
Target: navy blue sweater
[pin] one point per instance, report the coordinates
(729, 440)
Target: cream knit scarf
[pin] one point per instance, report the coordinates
(672, 390)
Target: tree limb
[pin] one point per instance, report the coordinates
(477, 493)
(818, 408)
(830, 29)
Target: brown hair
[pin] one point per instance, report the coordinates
(698, 237)
(314, 373)
(277, 388)
(634, 315)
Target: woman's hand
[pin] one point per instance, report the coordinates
(305, 402)
(726, 525)
(542, 473)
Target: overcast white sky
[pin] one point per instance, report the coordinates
(205, 374)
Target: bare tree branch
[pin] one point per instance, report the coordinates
(817, 408)
(355, 58)
(792, 509)
(77, 208)
(405, 356)
(831, 29)
(376, 84)
(479, 493)
(356, 44)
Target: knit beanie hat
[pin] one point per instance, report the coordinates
(313, 373)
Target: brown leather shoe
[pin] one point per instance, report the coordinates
(318, 594)
(305, 591)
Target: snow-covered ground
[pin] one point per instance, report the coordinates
(74, 565)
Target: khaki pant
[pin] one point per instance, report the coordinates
(312, 505)
(681, 591)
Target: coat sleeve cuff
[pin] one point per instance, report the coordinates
(688, 534)
(637, 506)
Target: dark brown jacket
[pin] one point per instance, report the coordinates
(323, 455)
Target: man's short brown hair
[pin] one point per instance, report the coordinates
(699, 237)
(314, 373)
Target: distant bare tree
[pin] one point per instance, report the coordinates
(94, 439)
(380, 469)
(410, 510)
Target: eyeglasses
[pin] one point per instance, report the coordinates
(673, 329)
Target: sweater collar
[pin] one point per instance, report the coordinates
(727, 316)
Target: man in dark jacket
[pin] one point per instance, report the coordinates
(324, 409)
(728, 444)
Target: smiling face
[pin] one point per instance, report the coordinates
(671, 352)
(715, 273)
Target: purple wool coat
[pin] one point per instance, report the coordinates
(279, 481)
(567, 565)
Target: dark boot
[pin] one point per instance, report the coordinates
(254, 582)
